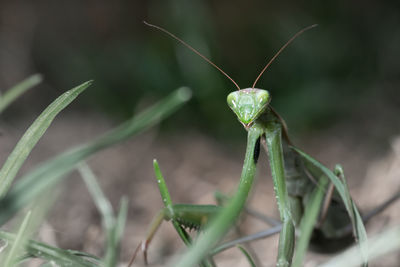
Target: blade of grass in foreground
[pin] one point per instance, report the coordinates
(100, 200)
(18, 242)
(113, 227)
(50, 172)
(116, 235)
(121, 219)
(247, 255)
(59, 256)
(14, 92)
(32, 136)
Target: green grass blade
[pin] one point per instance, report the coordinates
(52, 171)
(105, 209)
(32, 136)
(38, 209)
(341, 186)
(121, 219)
(14, 92)
(247, 255)
(113, 228)
(307, 223)
(18, 244)
(114, 236)
(84, 255)
(59, 256)
(101, 202)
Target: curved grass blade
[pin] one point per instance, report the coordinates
(32, 136)
(247, 255)
(105, 209)
(59, 256)
(14, 92)
(18, 243)
(113, 227)
(84, 255)
(52, 171)
(341, 186)
(101, 202)
(121, 219)
(39, 209)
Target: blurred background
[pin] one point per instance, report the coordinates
(337, 86)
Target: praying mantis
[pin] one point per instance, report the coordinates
(297, 178)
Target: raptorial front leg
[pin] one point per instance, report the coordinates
(220, 225)
(287, 236)
(286, 244)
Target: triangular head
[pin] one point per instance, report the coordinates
(248, 104)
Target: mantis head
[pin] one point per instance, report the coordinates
(248, 104)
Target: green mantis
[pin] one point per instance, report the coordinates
(297, 179)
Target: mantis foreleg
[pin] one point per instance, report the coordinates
(229, 214)
(287, 235)
(181, 215)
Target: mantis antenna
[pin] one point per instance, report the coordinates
(194, 50)
(218, 68)
(280, 50)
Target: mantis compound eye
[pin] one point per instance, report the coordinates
(248, 104)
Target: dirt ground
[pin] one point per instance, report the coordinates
(194, 166)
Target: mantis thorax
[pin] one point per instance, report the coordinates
(248, 104)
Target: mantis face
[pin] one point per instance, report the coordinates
(248, 104)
